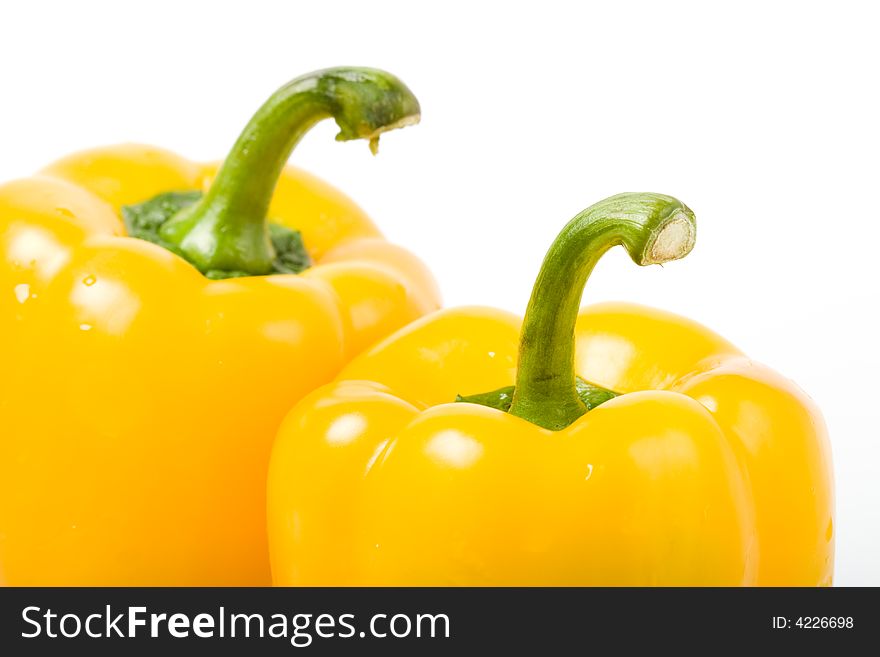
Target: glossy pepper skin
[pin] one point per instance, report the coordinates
(706, 468)
(139, 398)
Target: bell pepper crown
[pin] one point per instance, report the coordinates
(654, 229)
(225, 232)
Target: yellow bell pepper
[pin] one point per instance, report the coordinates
(675, 460)
(139, 397)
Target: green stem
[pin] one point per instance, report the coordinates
(653, 228)
(227, 229)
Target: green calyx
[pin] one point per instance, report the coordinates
(226, 231)
(145, 220)
(590, 394)
(654, 229)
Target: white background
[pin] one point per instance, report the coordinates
(762, 116)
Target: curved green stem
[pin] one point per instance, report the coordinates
(653, 228)
(227, 229)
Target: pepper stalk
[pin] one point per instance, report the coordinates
(227, 229)
(653, 228)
